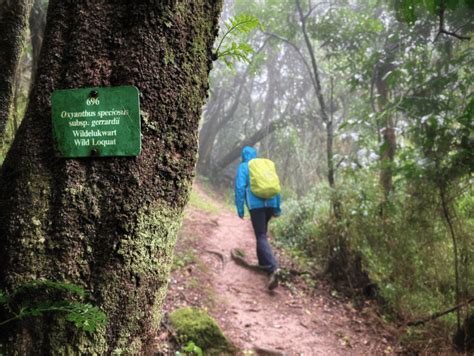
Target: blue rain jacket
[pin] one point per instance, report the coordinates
(242, 187)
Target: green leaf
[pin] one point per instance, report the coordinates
(61, 286)
(405, 10)
(86, 316)
(240, 51)
(243, 23)
(82, 315)
(4, 299)
(192, 348)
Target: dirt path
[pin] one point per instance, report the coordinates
(287, 321)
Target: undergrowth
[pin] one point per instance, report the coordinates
(404, 244)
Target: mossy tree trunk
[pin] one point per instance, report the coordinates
(107, 224)
(37, 24)
(13, 21)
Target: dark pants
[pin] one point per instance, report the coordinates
(260, 218)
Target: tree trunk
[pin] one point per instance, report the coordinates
(251, 141)
(389, 142)
(327, 119)
(13, 20)
(208, 133)
(107, 224)
(269, 104)
(37, 25)
(215, 122)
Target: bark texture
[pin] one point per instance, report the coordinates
(389, 142)
(13, 21)
(107, 224)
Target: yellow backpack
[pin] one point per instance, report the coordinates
(264, 181)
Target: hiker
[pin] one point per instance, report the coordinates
(261, 211)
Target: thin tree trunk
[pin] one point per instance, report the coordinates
(269, 104)
(336, 204)
(13, 21)
(449, 223)
(314, 65)
(388, 135)
(107, 224)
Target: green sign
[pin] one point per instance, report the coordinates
(97, 122)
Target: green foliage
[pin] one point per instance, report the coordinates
(183, 259)
(410, 10)
(228, 48)
(410, 228)
(300, 227)
(39, 297)
(47, 284)
(198, 201)
(194, 325)
(190, 349)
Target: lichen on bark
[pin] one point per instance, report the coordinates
(13, 21)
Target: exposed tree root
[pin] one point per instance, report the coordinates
(239, 257)
(220, 255)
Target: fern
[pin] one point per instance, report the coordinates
(240, 24)
(22, 303)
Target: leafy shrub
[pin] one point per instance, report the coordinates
(405, 244)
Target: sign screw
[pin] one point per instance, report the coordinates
(94, 152)
(94, 94)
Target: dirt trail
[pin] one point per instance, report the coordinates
(287, 321)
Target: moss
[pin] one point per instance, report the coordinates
(169, 57)
(147, 254)
(84, 343)
(194, 324)
(148, 248)
(200, 202)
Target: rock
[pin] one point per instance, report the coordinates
(196, 325)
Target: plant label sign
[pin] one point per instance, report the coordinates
(97, 122)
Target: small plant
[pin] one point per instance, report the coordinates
(40, 297)
(183, 259)
(190, 349)
(201, 202)
(229, 49)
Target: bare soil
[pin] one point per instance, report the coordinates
(292, 320)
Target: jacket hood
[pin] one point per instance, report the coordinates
(248, 153)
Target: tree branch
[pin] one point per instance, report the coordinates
(255, 138)
(442, 29)
(297, 50)
(315, 71)
(439, 314)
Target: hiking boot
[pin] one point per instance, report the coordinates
(273, 281)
